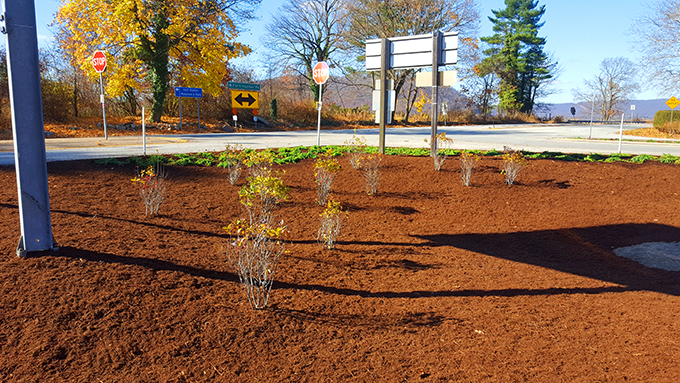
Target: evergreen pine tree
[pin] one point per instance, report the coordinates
(518, 48)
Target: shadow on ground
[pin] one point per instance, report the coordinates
(587, 252)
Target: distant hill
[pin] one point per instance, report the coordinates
(360, 95)
(644, 109)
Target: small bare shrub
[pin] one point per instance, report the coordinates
(440, 155)
(371, 165)
(232, 160)
(468, 161)
(513, 162)
(331, 222)
(151, 183)
(325, 170)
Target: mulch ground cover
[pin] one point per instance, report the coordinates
(431, 281)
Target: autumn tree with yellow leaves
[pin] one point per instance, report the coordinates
(150, 42)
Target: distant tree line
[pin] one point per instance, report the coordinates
(154, 45)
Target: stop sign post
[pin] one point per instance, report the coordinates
(99, 64)
(320, 73)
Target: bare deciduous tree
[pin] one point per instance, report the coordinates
(615, 84)
(305, 32)
(659, 43)
(480, 82)
(372, 19)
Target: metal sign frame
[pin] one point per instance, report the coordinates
(431, 50)
(197, 93)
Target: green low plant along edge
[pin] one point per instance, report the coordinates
(296, 154)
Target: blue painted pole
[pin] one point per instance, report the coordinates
(30, 159)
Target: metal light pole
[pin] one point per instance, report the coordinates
(103, 101)
(30, 159)
(435, 93)
(318, 120)
(621, 133)
(592, 110)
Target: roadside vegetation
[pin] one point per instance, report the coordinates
(284, 156)
(504, 77)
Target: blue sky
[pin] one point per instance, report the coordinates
(580, 33)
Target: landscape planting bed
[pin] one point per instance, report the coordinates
(431, 281)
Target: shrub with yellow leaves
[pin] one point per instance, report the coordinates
(468, 161)
(254, 252)
(331, 222)
(357, 150)
(261, 194)
(258, 162)
(151, 184)
(513, 162)
(257, 244)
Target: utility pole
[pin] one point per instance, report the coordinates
(592, 110)
(384, 51)
(30, 158)
(435, 93)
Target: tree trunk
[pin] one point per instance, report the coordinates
(75, 95)
(412, 91)
(159, 75)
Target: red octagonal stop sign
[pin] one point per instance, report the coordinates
(321, 72)
(99, 61)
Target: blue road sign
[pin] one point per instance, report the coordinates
(188, 92)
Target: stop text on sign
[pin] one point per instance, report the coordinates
(99, 61)
(321, 72)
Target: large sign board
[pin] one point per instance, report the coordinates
(412, 51)
(446, 78)
(431, 50)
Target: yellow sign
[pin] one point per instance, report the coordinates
(673, 102)
(242, 99)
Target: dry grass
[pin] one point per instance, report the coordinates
(651, 133)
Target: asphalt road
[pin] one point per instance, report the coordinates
(566, 138)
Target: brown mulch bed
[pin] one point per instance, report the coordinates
(431, 281)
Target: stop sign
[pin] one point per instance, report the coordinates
(99, 61)
(321, 72)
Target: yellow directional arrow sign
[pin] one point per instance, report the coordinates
(242, 99)
(672, 102)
